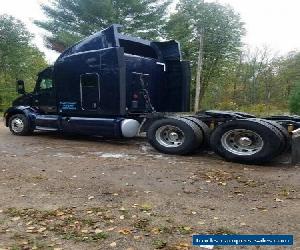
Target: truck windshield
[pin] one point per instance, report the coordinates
(44, 81)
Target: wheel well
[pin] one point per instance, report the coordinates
(145, 125)
(10, 114)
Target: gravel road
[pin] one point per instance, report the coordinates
(59, 192)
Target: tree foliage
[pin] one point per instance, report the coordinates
(19, 59)
(71, 20)
(251, 80)
(221, 29)
(260, 82)
(294, 101)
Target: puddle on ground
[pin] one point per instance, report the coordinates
(117, 156)
(113, 155)
(66, 155)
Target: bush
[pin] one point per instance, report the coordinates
(227, 105)
(258, 109)
(294, 100)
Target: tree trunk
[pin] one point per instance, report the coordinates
(237, 78)
(199, 72)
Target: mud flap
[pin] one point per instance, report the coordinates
(296, 146)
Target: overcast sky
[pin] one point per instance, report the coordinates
(274, 23)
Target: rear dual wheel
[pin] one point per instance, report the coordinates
(175, 135)
(203, 127)
(285, 134)
(247, 141)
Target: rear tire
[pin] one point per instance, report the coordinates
(246, 141)
(174, 136)
(284, 132)
(19, 125)
(273, 127)
(202, 125)
(197, 131)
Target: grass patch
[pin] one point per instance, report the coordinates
(184, 230)
(17, 236)
(97, 209)
(37, 243)
(70, 233)
(166, 230)
(15, 247)
(159, 244)
(64, 222)
(35, 214)
(88, 222)
(142, 224)
(146, 207)
(222, 230)
(99, 236)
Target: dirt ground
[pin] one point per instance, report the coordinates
(59, 192)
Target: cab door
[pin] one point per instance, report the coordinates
(44, 97)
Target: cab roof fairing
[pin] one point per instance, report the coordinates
(111, 37)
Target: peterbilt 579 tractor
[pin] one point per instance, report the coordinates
(114, 85)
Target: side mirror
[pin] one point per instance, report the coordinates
(21, 87)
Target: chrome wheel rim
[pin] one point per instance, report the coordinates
(169, 136)
(17, 125)
(242, 142)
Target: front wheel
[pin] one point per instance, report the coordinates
(19, 125)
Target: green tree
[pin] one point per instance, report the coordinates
(71, 20)
(19, 59)
(260, 83)
(294, 101)
(288, 68)
(221, 30)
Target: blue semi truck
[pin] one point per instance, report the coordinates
(114, 85)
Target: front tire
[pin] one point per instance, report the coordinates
(19, 125)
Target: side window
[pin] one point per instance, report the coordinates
(46, 84)
(139, 49)
(89, 81)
